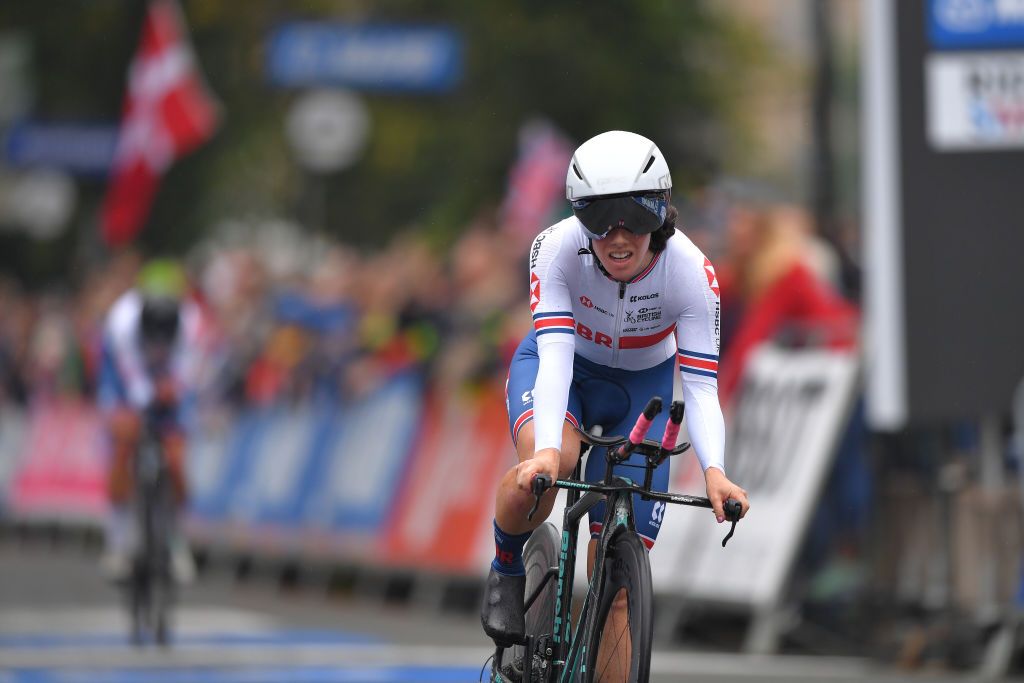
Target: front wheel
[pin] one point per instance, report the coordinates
(540, 555)
(619, 628)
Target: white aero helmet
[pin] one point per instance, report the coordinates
(619, 179)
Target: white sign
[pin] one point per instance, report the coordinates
(975, 100)
(792, 410)
(328, 129)
(40, 201)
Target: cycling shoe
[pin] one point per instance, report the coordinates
(502, 612)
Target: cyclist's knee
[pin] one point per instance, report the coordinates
(125, 426)
(174, 450)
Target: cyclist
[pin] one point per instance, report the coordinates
(619, 297)
(148, 348)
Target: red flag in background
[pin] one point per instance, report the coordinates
(536, 185)
(167, 113)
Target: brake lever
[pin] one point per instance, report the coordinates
(733, 509)
(541, 483)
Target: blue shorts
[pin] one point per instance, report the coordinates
(612, 398)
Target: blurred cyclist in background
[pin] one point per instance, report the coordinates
(623, 305)
(149, 350)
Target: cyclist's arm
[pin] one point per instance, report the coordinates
(122, 333)
(551, 305)
(697, 335)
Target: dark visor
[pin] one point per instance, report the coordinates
(638, 213)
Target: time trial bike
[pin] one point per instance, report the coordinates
(555, 651)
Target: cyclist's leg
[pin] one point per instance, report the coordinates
(502, 613)
(174, 450)
(514, 504)
(124, 429)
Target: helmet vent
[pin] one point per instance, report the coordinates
(650, 162)
(576, 170)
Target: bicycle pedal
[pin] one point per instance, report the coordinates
(512, 673)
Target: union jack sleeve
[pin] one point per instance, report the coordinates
(555, 321)
(695, 363)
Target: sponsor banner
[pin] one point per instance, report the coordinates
(208, 458)
(975, 101)
(791, 411)
(218, 465)
(323, 470)
(369, 57)
(275, 459)
(443, 513)
(352, 491)
(62, 467)
(76, 147)
(956, 24)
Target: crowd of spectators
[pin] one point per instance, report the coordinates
(293, 317)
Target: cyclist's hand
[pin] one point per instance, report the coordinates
(720, 489)
(542, 462)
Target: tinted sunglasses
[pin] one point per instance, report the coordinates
(640, 213)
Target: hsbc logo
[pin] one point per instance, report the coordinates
(589, 303)
(709, 271)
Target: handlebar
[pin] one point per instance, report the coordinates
(732, 508)
(619, 449)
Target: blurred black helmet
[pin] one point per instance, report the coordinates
(161, 283)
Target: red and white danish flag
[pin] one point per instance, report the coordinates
(168, 112)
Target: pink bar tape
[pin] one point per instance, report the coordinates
(643, 425)
(671, 434)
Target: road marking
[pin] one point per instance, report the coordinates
(216, 645)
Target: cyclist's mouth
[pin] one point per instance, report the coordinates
(620, 256)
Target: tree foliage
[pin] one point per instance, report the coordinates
(657, 67)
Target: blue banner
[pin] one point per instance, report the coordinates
(85, 148)
(369, 57)
(958, 24)
(326, 468)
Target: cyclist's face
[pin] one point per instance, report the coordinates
(622, 253)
